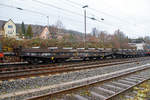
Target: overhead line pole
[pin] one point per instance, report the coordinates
(85, 27)
(48, 21)
(85, 24)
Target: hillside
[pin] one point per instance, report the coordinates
(37, 29)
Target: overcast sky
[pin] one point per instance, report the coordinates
(130, 16)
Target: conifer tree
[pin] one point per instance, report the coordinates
(23, 30)
(29, 33)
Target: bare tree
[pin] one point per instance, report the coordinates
(120, 40)
(104, 38)
(147, 39)
(53, 30)
(59, 26)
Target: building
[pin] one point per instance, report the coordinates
(1, 28)
(10, 29)
(1, 33)
(59, 36)
(45, 34)
(138, 45)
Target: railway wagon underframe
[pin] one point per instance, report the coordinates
(60, 55)
(44, 59)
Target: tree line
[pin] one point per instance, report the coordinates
(26, 33)
(96, 39)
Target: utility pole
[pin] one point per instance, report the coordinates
(85, 24)
(48, 21)
(48, 25)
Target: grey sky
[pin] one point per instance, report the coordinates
(131, 16)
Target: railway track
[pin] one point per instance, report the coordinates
(20, 67)
(2, 65)
(14, 65)
(53, 66)
(104, 87)
(45, 70)
(25, 65)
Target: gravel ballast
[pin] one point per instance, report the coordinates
(21, 85)
(86, 92)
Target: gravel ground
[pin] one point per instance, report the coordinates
(30, 83)
(140, 92)
(86, 92)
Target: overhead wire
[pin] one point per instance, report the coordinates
(10, 6)
(98, 11)
(43, 14)
(18, 20)
(51, 5)
(22, 9)
(59, 8)
(80, 5)
(93, 9)
(40, 12)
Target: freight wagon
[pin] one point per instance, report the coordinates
(38, 55)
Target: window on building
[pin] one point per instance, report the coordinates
(43, 37)
(10, 32)
(10, 26)
(47, 33)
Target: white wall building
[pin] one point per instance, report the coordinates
(10, 29)
(139, 46)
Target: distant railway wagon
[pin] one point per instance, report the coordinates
(0, 47)
(1, 53)
(55, 55)
(126, 53)
(147, 52)
(38, 55)
(7, 49)
(8, 54)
